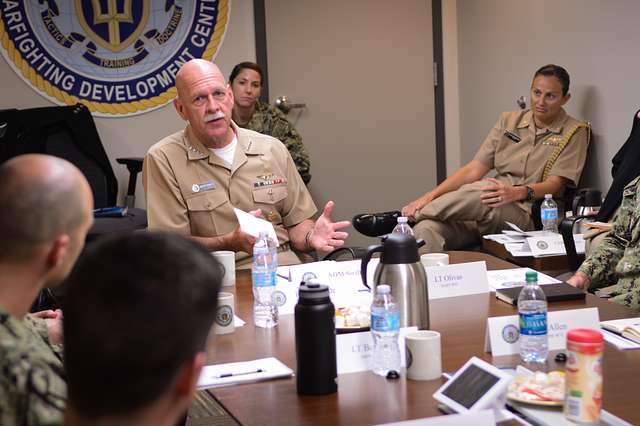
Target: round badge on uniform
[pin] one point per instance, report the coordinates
(195, 187)
(224, 316)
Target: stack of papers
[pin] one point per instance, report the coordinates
(622, 333)
(507, 278)
(534, 243)
(242, 372)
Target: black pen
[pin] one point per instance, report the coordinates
(222, 376)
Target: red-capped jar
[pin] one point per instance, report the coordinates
(583, 389)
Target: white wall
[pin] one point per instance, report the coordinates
(502, 42)
(124, 137)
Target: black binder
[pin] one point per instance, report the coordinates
(554, 292)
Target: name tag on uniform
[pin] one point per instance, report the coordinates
(204, 186)
(513, 136)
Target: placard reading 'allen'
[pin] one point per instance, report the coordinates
(118, 57)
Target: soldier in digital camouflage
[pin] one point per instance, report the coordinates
(250, 113)
(46, 213)
(613, 267)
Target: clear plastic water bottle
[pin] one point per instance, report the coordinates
(263, 274)
(403, 227)
(532, 310)
(549, 214)
(385, 328)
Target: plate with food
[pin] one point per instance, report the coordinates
(353, 319)
(538, 389)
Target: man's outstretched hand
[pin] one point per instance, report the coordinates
(325, 235)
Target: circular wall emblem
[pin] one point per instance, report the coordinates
(510, 333)
(118, 57)
(279, 298)
(542, 245)
(224, 315)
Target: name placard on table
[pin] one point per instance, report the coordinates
(503, 333)
(343, 278)
(461, 279)
(353, 350)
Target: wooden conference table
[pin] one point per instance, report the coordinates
(364, 398)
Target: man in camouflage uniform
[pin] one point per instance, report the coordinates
(269, 120)
(44, 219)
(615, 262)
(250, 113)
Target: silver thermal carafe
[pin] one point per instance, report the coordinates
(401, 269)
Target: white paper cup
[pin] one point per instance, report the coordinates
(225, 314)
(434, 259)
(424, 359)
(228, 261)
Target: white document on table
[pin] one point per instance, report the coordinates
(506, 278)
(242, 372)
(475, 418)
(253, 225)
(621, 343)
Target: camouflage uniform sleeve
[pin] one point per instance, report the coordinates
(271, 121)
(602, 266)
(39, 327)
(32, 388)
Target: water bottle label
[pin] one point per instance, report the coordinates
(549, 214)
(385, 322)
(264, 279)
(534, 324)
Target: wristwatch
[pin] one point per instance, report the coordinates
(530, 193)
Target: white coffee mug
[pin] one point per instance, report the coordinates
(228, 261)
(434, 259)
(225, 313)
(424, 359)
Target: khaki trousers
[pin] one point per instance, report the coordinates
(459, 219)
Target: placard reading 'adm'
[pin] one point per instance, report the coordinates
(118, 57)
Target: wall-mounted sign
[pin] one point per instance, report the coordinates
(118, 57)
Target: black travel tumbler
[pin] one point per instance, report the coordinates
(315, 341)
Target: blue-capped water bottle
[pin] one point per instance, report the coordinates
(532, 310)
(263, 274)
(549, 214)
(385, 328)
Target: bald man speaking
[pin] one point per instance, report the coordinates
(194, 178)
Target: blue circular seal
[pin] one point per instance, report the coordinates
(118, 57)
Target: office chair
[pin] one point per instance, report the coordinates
(69, 132)
(625, 167)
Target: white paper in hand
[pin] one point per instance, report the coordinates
(253, 225)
